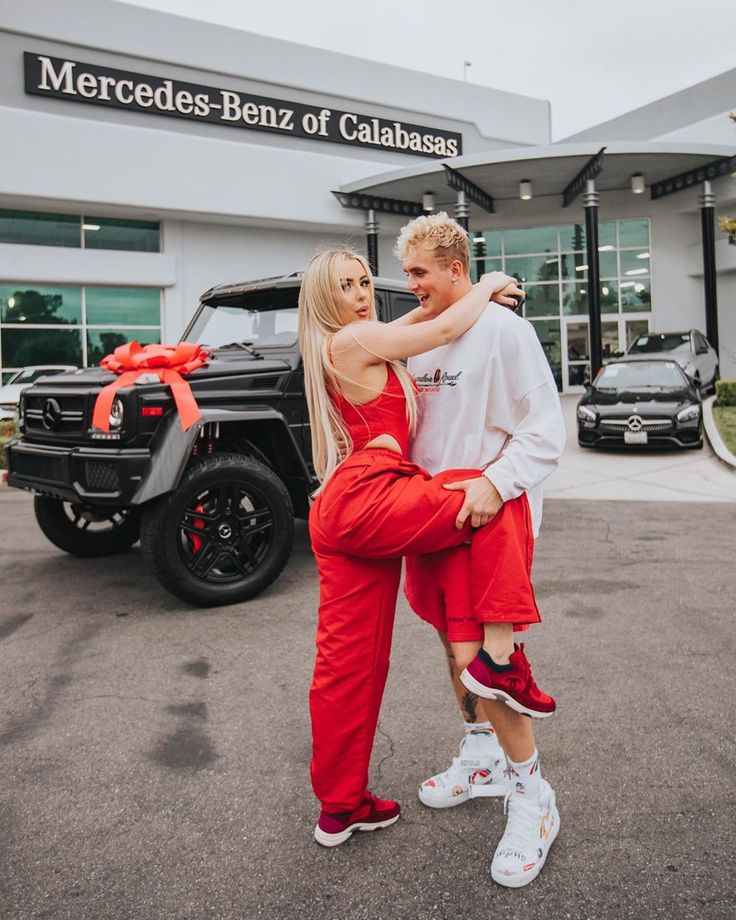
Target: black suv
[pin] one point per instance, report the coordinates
(213, 507)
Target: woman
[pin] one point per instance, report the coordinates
(372, 508)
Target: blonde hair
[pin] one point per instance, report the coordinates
(319, 320)
(438, 232)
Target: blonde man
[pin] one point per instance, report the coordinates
(487, 400)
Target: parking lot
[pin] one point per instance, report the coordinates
(155, 756)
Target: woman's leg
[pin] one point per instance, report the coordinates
(356, 616)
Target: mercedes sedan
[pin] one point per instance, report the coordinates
(641, 404)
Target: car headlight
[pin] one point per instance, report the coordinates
(116, 414)
(586, 415)
(688, 413)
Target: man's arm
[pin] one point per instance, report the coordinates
(535, 423)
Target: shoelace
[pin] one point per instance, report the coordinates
(522, 824)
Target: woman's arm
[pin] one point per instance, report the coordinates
(393, 342)
(417, 315)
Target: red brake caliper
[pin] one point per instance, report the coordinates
(194, 541)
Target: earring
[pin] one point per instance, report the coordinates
(454, 280)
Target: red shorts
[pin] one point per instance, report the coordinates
(438, 585)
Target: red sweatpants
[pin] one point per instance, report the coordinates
(375, 509)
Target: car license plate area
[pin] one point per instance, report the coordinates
(635, 437)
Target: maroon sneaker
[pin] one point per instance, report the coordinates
(514, 686)
(370, 815)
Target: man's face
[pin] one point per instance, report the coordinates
(430, 281)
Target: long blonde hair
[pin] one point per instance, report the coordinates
(319, 320)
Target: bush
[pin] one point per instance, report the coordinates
(726, 392)
(7, 431)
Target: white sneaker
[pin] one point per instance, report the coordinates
(531, 828)
(480, 770)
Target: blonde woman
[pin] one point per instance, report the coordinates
(372, 508)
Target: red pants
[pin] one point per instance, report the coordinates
(375, 509)
(438, 585)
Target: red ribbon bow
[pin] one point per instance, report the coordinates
(168, 362)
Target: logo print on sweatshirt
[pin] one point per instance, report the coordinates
(431, 383)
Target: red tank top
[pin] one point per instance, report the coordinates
(386, 414)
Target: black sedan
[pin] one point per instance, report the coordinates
(641, 404)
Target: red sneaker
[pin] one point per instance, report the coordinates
(370, 815)
(514, 687)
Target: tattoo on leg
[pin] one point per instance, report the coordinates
(470, 705)
(451, 664)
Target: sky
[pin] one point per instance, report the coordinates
(593, 61)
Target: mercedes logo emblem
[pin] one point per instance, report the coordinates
(51, 414)
(635, 423)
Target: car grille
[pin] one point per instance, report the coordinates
(69, 421)
(619, 425)
(44, 469)
(101, 476)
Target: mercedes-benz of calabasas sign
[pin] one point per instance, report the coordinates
(120, 89)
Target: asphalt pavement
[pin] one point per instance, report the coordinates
(154, 757)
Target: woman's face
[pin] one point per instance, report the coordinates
(356, 299)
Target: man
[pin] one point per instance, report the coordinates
(487, 401)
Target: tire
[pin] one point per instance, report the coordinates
(86, 532)
(224, 535)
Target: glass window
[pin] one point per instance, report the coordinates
(111, 233)
(27, 303)
(101, 342)
(123, 306)
(578, 341)
(572, 237)
(573, 266)
(609, 339)
(633, 233)
(530, 239)
(575, 298)
(488, 242)
(34, 229)
(548, 333)
(607, 234)
(21, 347)
(479, 267)
(635, 262)
(634, 328)
(534, 268)
(542, 300)
(636, 296)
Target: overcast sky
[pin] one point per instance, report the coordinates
(593, 61)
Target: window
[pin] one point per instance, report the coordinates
(44, 324)
(402, 304)
(33, 228)
(129, 235)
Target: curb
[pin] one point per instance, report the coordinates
(716, 441)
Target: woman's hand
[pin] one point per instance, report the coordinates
(505, 289)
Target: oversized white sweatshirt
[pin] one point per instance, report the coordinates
(489, 400)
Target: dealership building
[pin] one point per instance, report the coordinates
(147, 157)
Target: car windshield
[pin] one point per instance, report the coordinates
(647, 374)
(674, 342)
(29, 374)
(261, 319)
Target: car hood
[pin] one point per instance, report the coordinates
(11, 392)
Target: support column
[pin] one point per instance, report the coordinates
(371, 229)
(707, 223)
(590, 199)
(462, 210)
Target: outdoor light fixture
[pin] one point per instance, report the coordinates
(637, 183)
(428, 201)
(525, 189)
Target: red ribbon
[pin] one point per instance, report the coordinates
(168, 362)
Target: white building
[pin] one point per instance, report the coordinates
(147, 157)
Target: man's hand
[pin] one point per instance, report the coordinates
(482, 501)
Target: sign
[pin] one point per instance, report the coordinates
(120, 89)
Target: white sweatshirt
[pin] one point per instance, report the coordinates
(489, 400)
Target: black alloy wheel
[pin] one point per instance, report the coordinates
(224, 535)
(85, 531)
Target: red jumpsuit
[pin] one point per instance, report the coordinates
(376, 508)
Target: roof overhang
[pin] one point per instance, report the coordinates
(550, 168)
